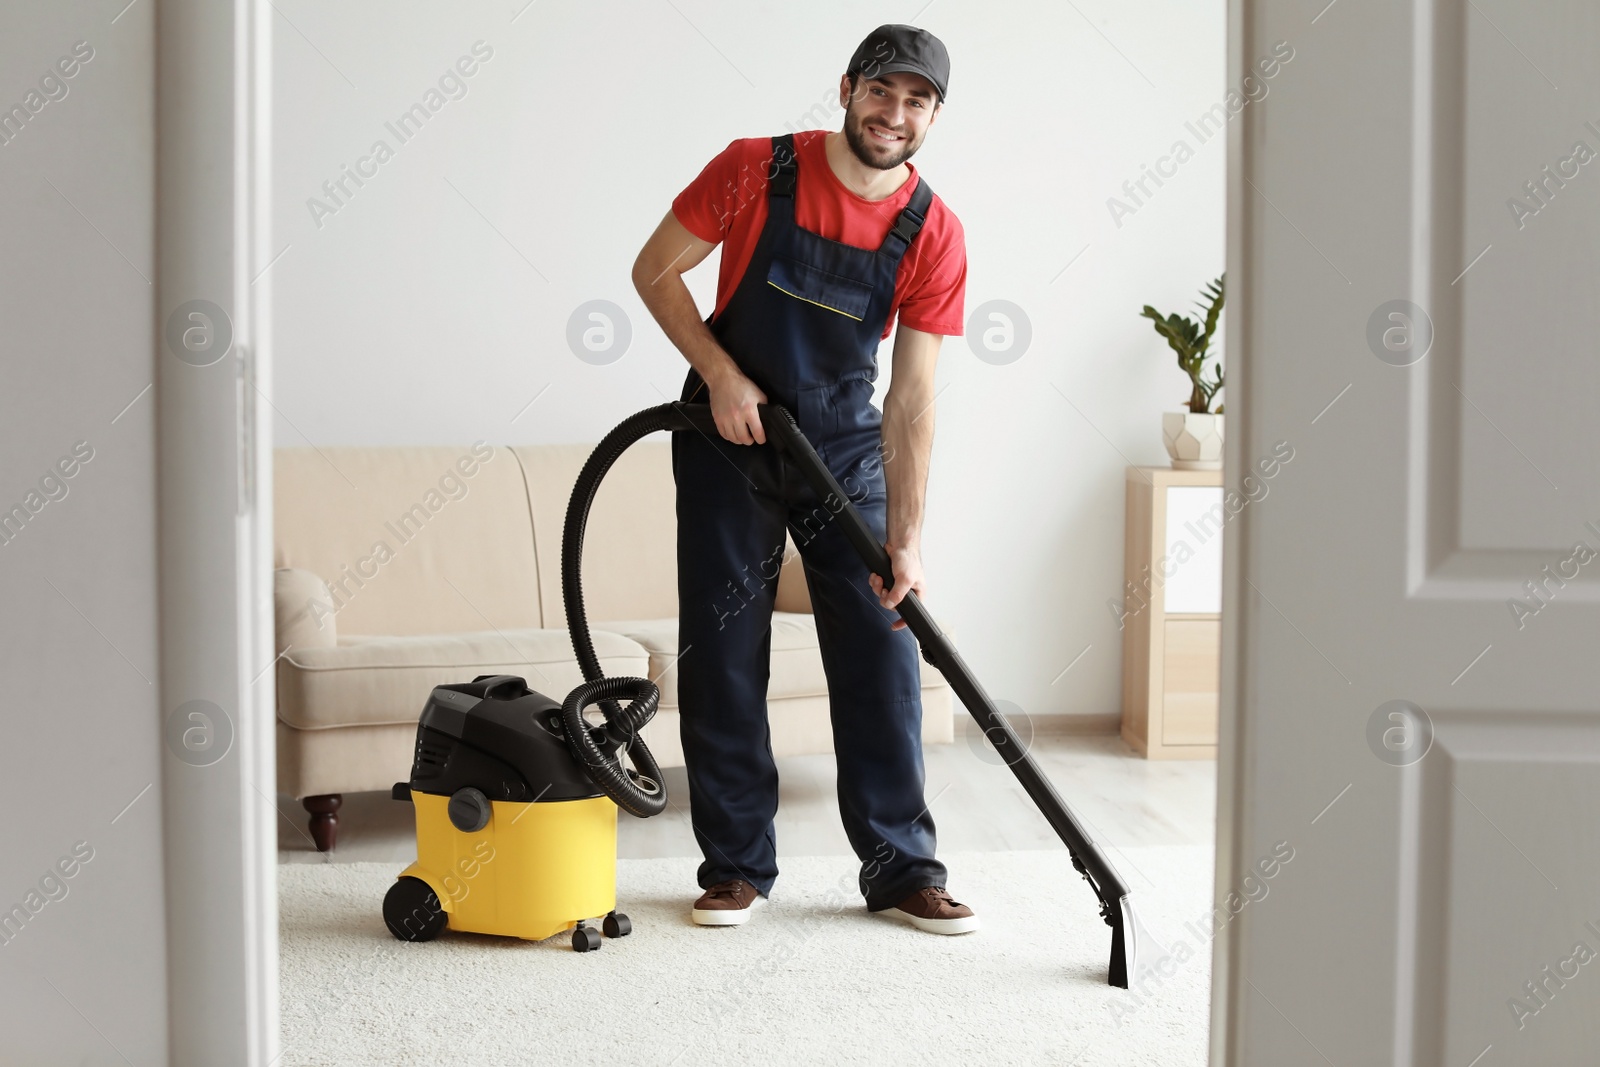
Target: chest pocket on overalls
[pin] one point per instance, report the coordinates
(847, 296)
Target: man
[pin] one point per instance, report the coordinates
(826, 237)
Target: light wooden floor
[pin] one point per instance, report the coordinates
(977, 805)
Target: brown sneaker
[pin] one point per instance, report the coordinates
(727, 903)
(933, 910)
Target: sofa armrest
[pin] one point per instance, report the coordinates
(303, 611)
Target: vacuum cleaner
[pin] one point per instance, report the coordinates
(490, 741)
(516, 800)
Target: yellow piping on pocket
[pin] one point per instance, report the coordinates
(797, 296)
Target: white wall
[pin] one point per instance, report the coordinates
(432, 307)
(84, 980)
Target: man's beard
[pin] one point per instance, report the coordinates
(868, 149)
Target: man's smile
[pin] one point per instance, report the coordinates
(884, 134)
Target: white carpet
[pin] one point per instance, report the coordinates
(812, 978)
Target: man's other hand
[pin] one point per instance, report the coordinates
(905, 561)
(733, 404)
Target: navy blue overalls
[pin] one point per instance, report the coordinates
(804, 325)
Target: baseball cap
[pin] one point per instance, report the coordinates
(895, 47)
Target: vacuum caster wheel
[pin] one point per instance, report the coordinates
(616, 924)
(585, 938)
(411, 911)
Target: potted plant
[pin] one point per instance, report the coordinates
(1194, 437)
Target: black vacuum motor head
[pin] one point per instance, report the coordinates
(496, 735)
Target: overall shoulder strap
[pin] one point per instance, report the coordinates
(782, 171)
(909, 223)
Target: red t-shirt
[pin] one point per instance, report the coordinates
(727, 203)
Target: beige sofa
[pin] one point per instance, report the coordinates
(400, 568)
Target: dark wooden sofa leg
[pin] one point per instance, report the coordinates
(324, 818)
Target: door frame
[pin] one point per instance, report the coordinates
(213, 238)
(220, 827)
(1230, 821)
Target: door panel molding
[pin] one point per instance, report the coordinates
(1478, 744)
(1439, 567)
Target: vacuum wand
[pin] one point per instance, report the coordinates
(1132, 950)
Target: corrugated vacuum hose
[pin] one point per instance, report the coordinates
(637, 790)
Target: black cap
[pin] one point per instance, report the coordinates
(895, 47)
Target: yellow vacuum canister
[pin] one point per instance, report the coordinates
(516, 830)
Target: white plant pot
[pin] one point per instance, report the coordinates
(1193, 441)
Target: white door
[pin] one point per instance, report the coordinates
(1411, 658)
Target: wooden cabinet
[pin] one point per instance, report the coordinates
(1171, 612)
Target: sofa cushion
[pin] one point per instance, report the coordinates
(796, 659)
(801, 726)
(630, 561)
(796, 656)
(630, 545)
(410, 540)
(378, 680)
